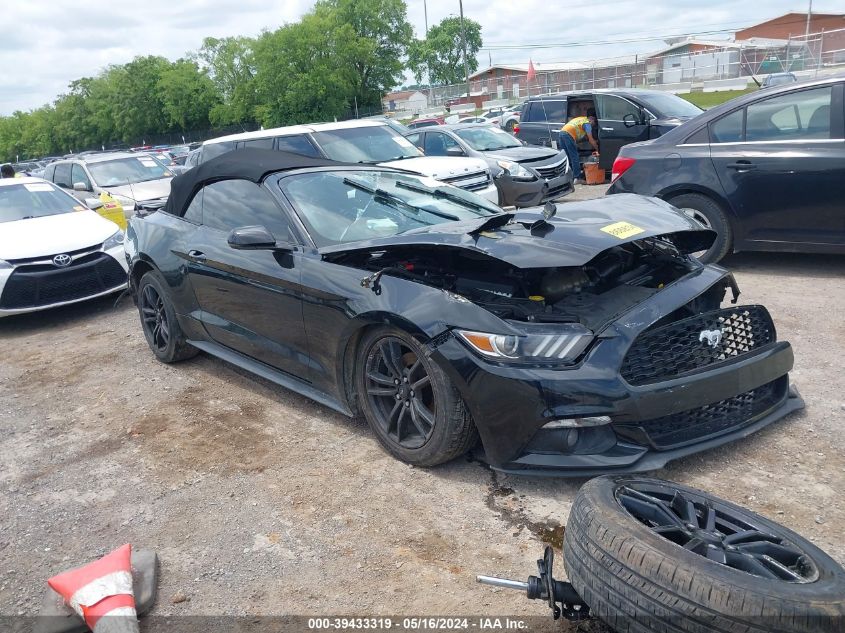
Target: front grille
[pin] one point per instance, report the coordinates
(717, 418)
(40, 285)
(49, 258)
(470, 182)
(672, 350)
(552, 171)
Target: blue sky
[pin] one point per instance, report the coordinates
(45, 45)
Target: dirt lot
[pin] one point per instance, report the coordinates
(259, 501)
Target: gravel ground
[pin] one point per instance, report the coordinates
(260, 502)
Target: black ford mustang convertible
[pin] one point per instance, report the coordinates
(573, 339)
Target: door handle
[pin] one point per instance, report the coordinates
(742, 165)
(607, 129)
(197, 256)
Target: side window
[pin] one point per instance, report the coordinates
(229, 204)
(62, 176)
(613, 108)
(728, 129)
(49, 172)
(438, 144)
(77, 174)
(415, 139)
(259, 143)
(548, 110)
(194, 211)
(213, 150)
(297, 144)
(796, 115)
(698, 137)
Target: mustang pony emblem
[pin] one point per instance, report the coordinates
(711, 337)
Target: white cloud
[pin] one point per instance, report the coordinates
(45, 45)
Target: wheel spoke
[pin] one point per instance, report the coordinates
(684, 508)
(716, 554)
(383, 391)
(710, 520)
(746, 536)
(749, 564)
(423, 412)
(696, 545)
(148, 311)
(387, 350)
(773, 550)
(164, 329)
(782, 570)
(388, 422)
(644, 506)
(417, 420)
(399, 420)
(380, 378)
(422, 382)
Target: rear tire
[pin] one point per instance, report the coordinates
(710, 214)
(642, 578)
(158, 321)
(409, 402)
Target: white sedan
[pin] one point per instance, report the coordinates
(53, 251)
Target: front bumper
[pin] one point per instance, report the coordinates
(650, 424)
(490, 192)
(70, 285)
(529, 193)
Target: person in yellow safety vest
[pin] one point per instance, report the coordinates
(572, 133)
(112, 210)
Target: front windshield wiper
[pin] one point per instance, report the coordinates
(381, 193)
(439, 192)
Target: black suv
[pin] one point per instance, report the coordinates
(625, 116)
(766, 171)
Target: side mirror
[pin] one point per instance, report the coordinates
(254, 238)
(93, 203)
(454, 151)
(630, 120)
(81, 186)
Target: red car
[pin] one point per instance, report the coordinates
(427, 122)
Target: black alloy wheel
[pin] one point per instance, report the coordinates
(154, 317)
(716, 532)
(400, 393)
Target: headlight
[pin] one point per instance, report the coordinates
(128, 204)
(516, 170)
(560, 344)
(114, 241)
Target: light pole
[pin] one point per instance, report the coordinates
(464, 40)
(427, 67)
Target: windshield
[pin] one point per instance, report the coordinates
(347, 206)
(486, 138)
(669, 106)
(122, 171)
(34, 200)
(371, 144)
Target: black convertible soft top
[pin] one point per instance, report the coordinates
(247, 164)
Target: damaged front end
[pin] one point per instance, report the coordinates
(612, 350)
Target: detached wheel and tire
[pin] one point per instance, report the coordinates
(409, 402)
(707, 212)
(650, 555)
(158, 320)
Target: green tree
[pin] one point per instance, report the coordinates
(304, 70)
(140, 110)
(187, 95)
(440, 55)
(380, 42)
(230, 63)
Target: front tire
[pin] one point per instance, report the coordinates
(707, 212)
(653, 556)
(409, 402)
(158, 320)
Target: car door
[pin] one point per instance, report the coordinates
(781, 161)
(541, 121)
(250, 299)
(620, 122)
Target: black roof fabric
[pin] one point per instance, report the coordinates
(248, 164)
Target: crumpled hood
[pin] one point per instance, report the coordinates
(53, 234)
(439, 167)
(526, 154)
(141, 191)
(574, 236)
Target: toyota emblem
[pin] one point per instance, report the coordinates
(62, 261)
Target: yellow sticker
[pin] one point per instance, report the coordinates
(622, 230)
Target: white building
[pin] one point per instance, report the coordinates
(405, 102)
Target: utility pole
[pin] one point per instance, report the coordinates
(464, 39)
(807, 29)
(428, 70)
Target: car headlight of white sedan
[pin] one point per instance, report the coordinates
(112, 242)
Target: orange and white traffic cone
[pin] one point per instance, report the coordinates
(101, 592)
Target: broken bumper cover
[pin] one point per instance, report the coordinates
(649, 425)
(529, 193)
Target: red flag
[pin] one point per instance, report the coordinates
(532, 74)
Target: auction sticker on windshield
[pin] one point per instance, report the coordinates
(403, 141)
(38, 186)
(147, 162)
(622, 230)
